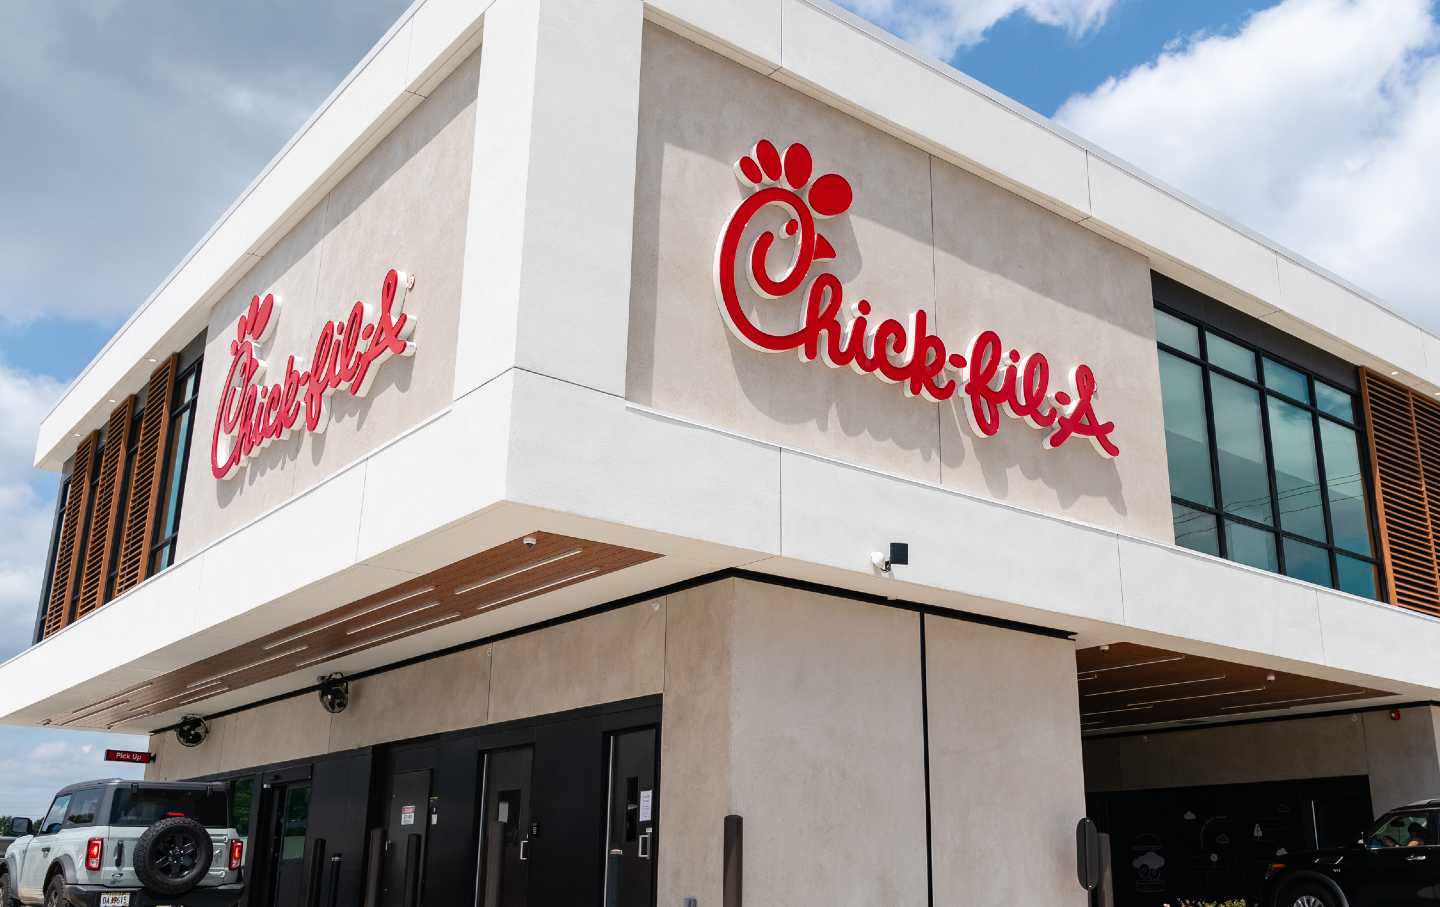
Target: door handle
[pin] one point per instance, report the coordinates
(523, 842)
(643, 849)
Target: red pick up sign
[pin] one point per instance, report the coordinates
(136, 756)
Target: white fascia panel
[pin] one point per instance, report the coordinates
(580, 193)
(305, 540)
(546, 283)
(835, 515)
(448, 471)
(1192, 596)
(578, 451)
(830, 54)
(1158, 221)
(1362, 635)
(747, 31)
(370, 102)
(442, 33)
(1322, 312)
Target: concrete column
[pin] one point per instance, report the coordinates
(546, 283)
(1404, 756)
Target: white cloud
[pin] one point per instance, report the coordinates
(26, 503)
(941, 27)
(1316, 123)
(34, 763)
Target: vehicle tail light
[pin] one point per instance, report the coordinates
(94, 850)
(237, 853)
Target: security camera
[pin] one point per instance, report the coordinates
(192, 731)
(899, 555)
(530, 541)
(334, 693)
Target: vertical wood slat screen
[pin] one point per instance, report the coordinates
(1403, 428)
(105, 513)
(67, 558)
(139, 520)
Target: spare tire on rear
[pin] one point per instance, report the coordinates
(173, 856)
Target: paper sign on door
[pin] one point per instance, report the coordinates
(647, 798)
(407, 815)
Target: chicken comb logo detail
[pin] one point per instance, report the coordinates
(995, 381)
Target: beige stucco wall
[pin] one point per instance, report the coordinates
(514, 678)
(922, 234)
(801, 712)
(403, 206)
(1004, 743)
(1402, 757)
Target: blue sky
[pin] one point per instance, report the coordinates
(130, 125)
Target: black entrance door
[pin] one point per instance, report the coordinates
(405, 834)
(288, 807)
(632, 824)
(505, 844)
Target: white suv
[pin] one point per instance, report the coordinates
(122, 843)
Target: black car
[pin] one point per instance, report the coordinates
(1395, 864)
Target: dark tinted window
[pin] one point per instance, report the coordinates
(146, 806)
(242, 799)
(55, 816)
(84, 804)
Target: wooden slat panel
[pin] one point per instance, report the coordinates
(105, 514)
(1129, 685)
(1402, 428)
(67, 557)
(145, 491)
(498, 578)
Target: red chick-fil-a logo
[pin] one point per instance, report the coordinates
(993, 379)
(348, 353)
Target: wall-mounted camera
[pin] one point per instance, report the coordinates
(899, 555)
(334, 693)
(192, 731)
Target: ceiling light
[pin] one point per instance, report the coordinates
(376, 641)
(205, 695)
(1137, 664)
(529, 592)
(1155, 686)
(1201, 696)
(1288, 702)
(340, 620)
(254, 664)
(516, 572)
(386, 620)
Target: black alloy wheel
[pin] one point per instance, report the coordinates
(173, 856)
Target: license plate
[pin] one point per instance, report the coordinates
(115, 900)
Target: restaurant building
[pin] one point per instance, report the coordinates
(705, 452)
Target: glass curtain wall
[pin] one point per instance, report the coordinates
(1265, 461)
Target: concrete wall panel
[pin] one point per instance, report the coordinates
(922, 235)
(443, 694)
(1046, 285)
(608, 657)
(696, 741)
(827, 762)
(403, 206)
(1004, 749)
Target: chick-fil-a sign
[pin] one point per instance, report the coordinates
(348, 353)
(994, 379)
